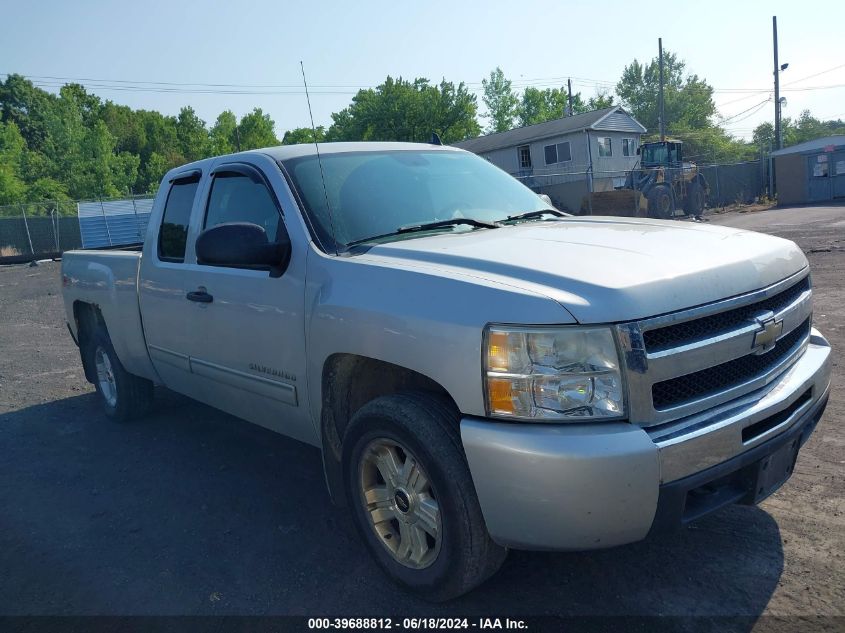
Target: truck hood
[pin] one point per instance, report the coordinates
(604, 269)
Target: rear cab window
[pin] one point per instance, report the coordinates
(173, 233)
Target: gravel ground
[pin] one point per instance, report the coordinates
(193, 512)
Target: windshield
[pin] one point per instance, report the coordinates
(654, 155)
(376, 192)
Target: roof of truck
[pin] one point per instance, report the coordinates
(285, 152)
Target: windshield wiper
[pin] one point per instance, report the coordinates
(413, 228)
(536, 214)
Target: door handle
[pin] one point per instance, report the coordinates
(200, 296)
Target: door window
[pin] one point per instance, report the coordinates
(173, 233)
(524, 157)
(238, 198)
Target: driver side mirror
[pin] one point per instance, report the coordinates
(638, 151)
(243, 245)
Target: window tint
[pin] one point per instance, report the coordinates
(605, 148)
(551, 154)
(174, 223)
(236, 198)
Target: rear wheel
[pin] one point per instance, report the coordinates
(412, 497)
(660, 203)
(695, 200)
(124, 395)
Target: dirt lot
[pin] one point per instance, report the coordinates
(191, 511)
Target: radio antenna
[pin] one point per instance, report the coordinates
(319, 160)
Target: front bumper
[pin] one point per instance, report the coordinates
(590, 486)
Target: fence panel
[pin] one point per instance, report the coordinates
(114, 222)
(44, 229)
(736, 183)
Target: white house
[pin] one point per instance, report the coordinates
(569, 157)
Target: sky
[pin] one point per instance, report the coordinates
(119, 49)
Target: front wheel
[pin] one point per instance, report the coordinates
(412, 497)
(660, 203)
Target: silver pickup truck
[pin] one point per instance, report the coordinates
(480, 371)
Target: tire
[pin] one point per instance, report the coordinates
(695, 200)
(124, 395)
(660, 203)
(448, 552)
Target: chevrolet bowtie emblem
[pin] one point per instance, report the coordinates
(764, 339)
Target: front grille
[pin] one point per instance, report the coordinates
(698, 329)
(705, 382)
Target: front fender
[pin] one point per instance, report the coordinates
(422, 318)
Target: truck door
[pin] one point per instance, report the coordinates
(165, 313)
(246, 342)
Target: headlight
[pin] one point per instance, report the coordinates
(565, 373)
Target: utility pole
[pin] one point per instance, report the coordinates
(661, 117)
(569, 94)
(778, 143)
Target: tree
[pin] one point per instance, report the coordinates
(402, 110)
(257, 130)
(28, 108)
(152, 173)
(537, 106)
(12, 186)
(601, 100)
(300, 135)
(126, 126)
(192, 135)
(688, 100)
(500, 100)
(806, 128)
(46, 189)
(224, 134)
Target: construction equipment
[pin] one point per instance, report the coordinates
(661, 183)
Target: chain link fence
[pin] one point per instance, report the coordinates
(43, 230)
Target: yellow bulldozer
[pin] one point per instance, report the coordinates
(661, 183)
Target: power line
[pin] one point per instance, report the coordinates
(824, 72)
(756, 108)
(134, 82)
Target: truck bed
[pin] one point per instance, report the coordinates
(108, 279)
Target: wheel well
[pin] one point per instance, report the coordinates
(349, 382)
(88, 317)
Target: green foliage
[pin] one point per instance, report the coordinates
(806, 128)
(224, 134)
(688, 99)
(256, 130)
(301, 135)
(501, 101)
(401, 110)
(601, 100)
(12, 187)
(537, 106)
(46, 189)
(75, 146)
(192, 135)
(689, 107)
